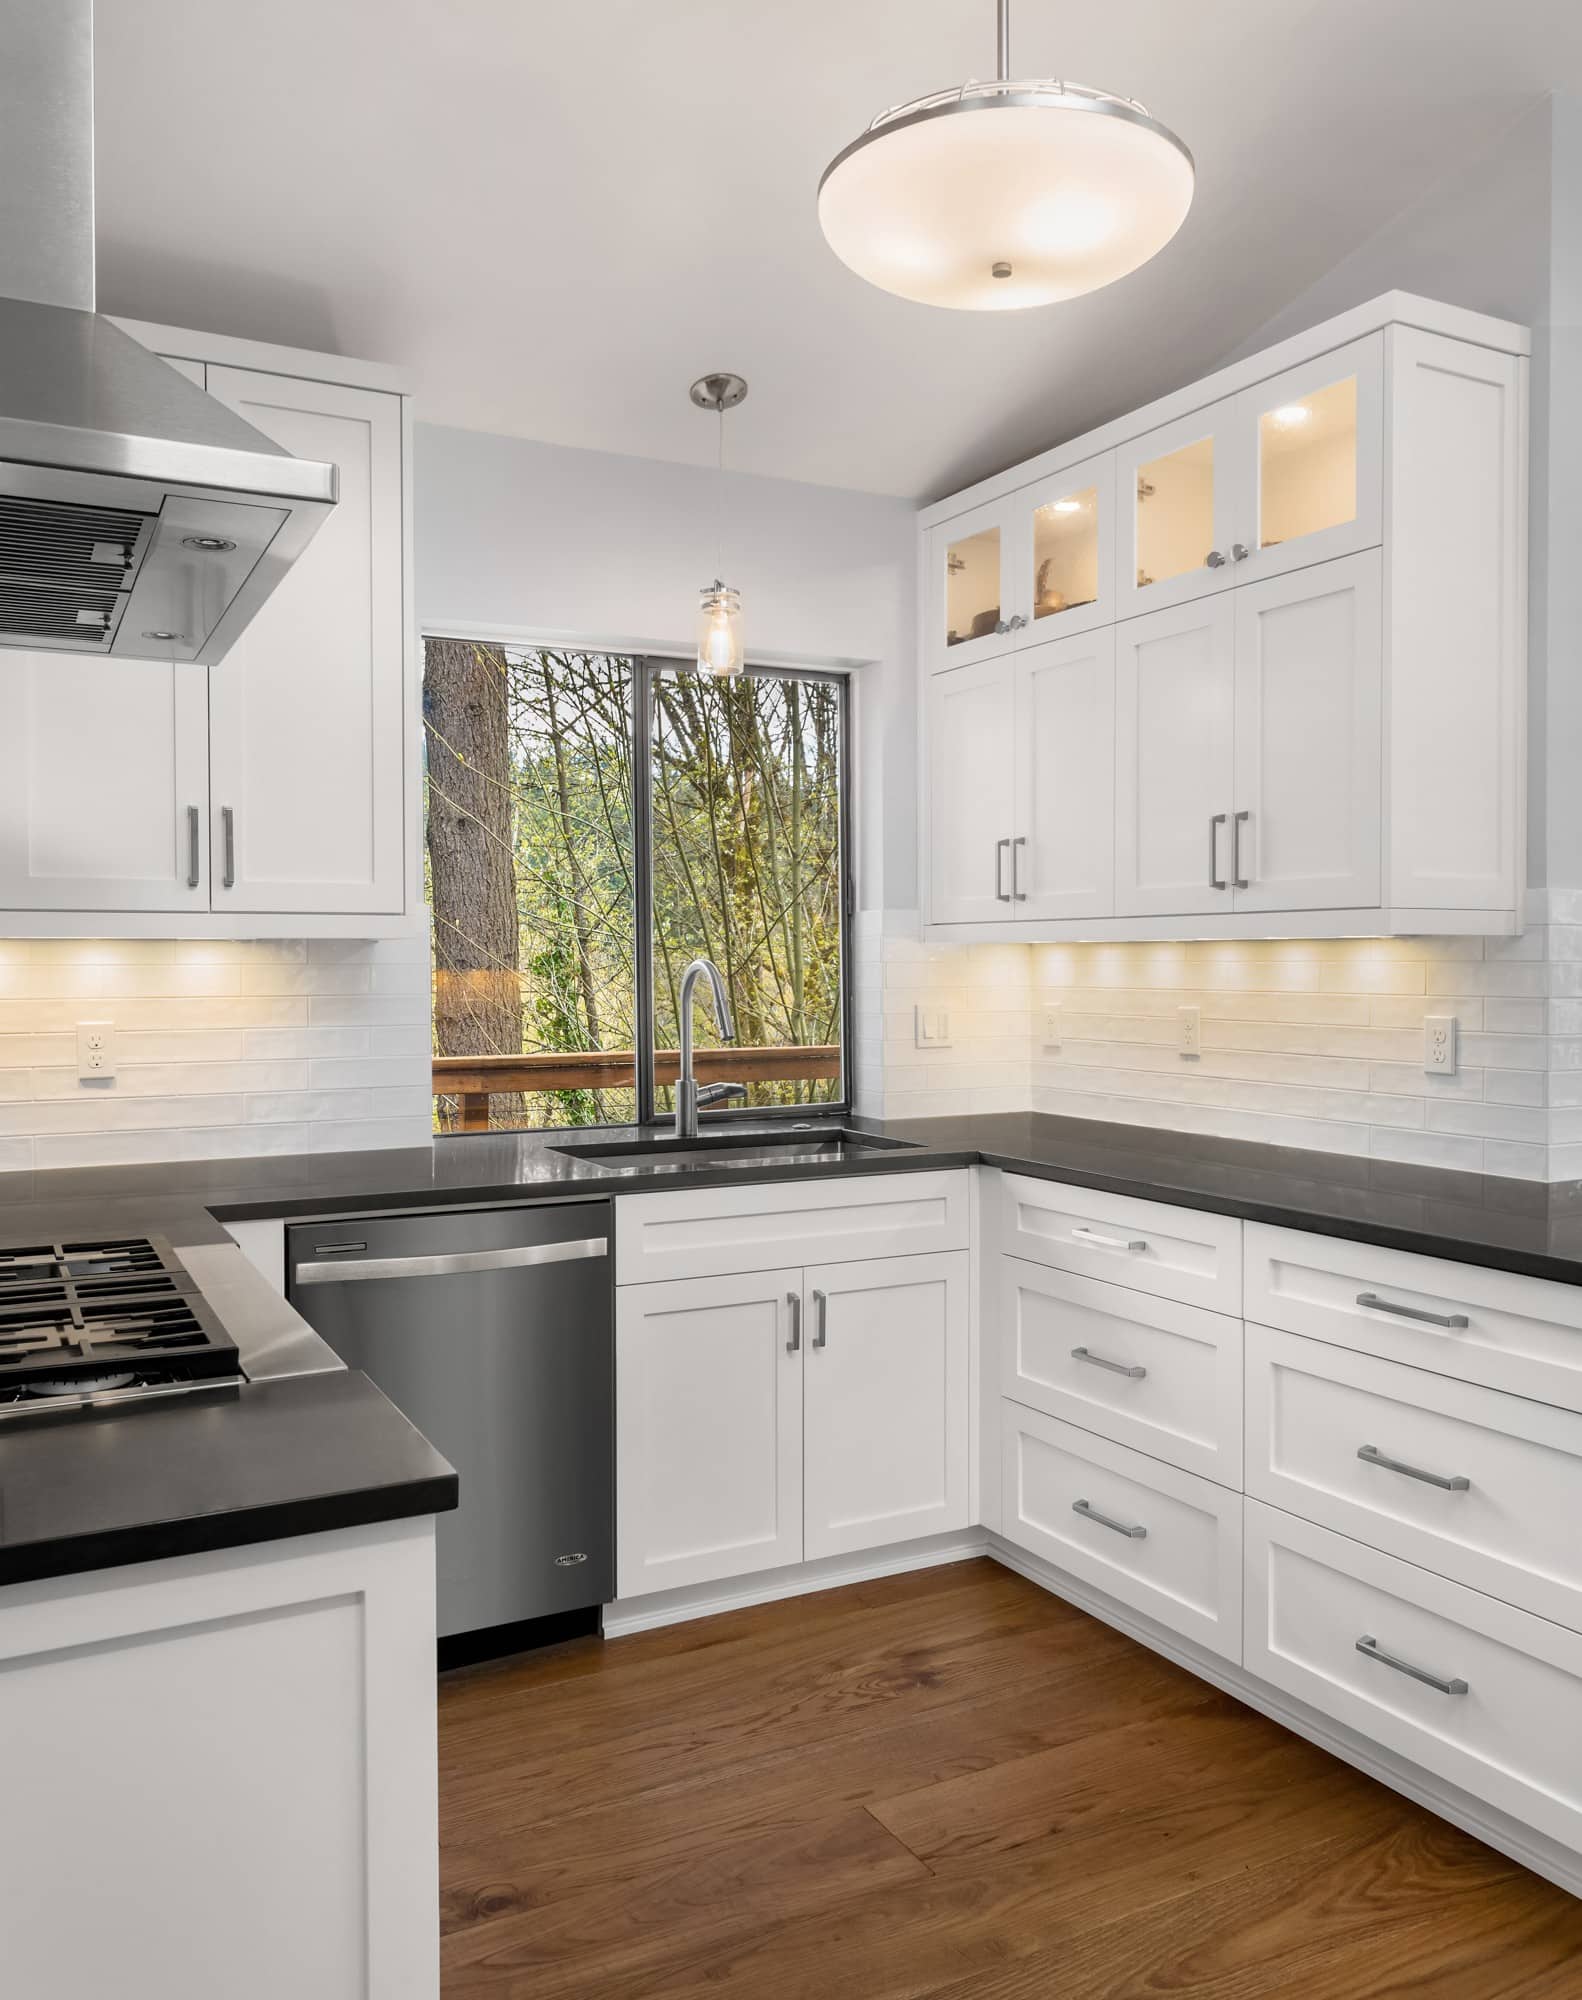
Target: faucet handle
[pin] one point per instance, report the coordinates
(719, 1093)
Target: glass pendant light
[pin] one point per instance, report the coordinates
(999, 195)
(720, 611)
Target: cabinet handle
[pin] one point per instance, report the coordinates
(1000, 896)
(1370, 1454)
(820, 1320)
(1215, 559)
(1240, 551)
(1017, 622)
(1099, 1361)
(1370, 1646)
(1097, 1239)
(1018, 893)
(1375, 1304)
(1132, 1529)
(1237, 881)
(794, 1301)
(1215, 880)
(228, 829)
(1002, 626)
(193, 866)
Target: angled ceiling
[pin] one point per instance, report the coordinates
(554, 217)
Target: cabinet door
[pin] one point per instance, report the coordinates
(1178, 495)
(971, 806)
(1175, 678)
(1312, 441)
(1065, 545)
(306, 708)
(885, 1386)
(708, 1426)
(103, 784)
(1063, 852)
(974, 575)
(1308, 747)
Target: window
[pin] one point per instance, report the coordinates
(595, 821)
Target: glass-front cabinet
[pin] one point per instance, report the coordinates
(1176, 506)
(1066, 552)
(971, 581)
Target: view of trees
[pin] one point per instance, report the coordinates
(533, 853)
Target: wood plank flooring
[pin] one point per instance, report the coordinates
(947, 1785)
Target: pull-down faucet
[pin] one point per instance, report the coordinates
(688, 1097)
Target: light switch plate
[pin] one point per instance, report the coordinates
(931, 1028)
(1051, 1027)
(95, 1051)
(1439, 1044)
(1191, 1030)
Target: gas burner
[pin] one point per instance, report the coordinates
(79, 1385)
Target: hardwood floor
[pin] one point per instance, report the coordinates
(949, 1785)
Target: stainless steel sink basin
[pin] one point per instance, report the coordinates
(737, 1151)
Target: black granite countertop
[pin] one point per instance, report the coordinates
(305, 1452)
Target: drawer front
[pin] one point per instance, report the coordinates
(722, 1230)
(1508, 1332)
(1498, 1712)
(1160, 1540)
(1480, 1486)
(1161, 1377)
(1175, 1253)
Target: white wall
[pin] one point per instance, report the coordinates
(514, 536)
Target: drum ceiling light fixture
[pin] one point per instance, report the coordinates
(1000, 195)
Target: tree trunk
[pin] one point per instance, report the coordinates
(477, 980)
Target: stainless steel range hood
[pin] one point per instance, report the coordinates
(139, 517)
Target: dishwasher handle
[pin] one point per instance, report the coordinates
(446, 1264)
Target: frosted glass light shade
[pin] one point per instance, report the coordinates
(720, 631)
(999, 196)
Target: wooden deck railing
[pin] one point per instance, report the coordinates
(475, 1079)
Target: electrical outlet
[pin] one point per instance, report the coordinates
(1190, 1041)
(1051, 1027)
(1439, 1044)
(95, 1051)
(931, 1029)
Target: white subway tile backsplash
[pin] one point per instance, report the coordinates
(227, 1050)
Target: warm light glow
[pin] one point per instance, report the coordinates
(1063, 507)
(1289, 415)
(1058, 189)
(720, 631)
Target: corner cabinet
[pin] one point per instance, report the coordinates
(1296, 701)
(273, 794)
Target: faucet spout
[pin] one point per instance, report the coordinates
(686, 1082)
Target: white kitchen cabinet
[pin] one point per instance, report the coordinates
(273, 794)
(1305, 803)
(1319, 596)
(1064, 546)
(971, 570)
(971, 781)
(1021, 775)
(708, 1429)
(256, 1726)
(1175, 696)
(104, 785)
(884, 1401)
(307, 708)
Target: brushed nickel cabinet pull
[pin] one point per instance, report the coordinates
(1134, 1531)
(228, 829)
(1375, 1304)
(820, 1320)
(794, 1301)
(1101, 1361)
(1215, 879)
(1371, 1455)
(1370, 1647)
(194, 869)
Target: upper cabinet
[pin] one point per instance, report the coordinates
(1311, 715)
(271, 794)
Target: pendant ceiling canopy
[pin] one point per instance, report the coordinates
(1000, 195)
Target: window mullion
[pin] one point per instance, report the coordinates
(644, 674)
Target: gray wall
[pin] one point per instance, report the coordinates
(517, 537)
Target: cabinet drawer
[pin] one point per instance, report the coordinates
(719, 1230)
(1326, 1617)
(1494, 1327)
(1161, 1377)
(1176, 1253)
(1510, 1530)
(1168, 1543)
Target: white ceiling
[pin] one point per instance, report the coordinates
(555, 216)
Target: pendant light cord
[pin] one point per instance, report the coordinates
(719, 509)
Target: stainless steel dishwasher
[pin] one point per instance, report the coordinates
(493, 1331)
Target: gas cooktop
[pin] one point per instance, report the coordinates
(98, 1319)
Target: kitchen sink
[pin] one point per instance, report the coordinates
(827, 1146)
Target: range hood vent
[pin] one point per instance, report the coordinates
(139, 516)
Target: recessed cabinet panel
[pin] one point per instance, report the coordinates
(1063, 850)
(1309, 673)
(104, 784)
(1174, 712)
(971, 800)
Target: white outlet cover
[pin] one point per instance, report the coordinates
(96, 1054)
(1051, 1027)
(1191, 1031)
(1439, 1044)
